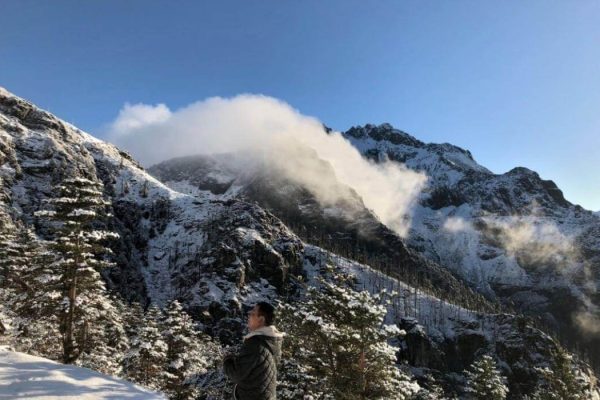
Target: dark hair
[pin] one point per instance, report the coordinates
(267, 311)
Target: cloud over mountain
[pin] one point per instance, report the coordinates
(272, 132)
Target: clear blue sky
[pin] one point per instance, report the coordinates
(516, 82)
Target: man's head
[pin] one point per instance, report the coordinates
(261, 315)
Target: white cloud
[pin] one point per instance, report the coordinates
(274, 133)
(540, 239)
(134, 116)
(530, 238)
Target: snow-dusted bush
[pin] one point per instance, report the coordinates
(337, 347)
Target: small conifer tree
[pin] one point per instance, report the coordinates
(484, 381)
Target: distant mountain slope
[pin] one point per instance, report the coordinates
(360, 236)
(347, 227)
(513, 236)
(34, 378)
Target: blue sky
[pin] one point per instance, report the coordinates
(515, 82)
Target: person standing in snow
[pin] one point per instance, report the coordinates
(254, 368)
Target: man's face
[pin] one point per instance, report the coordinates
(255, 321)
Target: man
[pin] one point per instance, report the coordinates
(254, 368)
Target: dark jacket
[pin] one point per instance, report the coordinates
(254, 368)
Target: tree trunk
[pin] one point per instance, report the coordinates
(69, 355)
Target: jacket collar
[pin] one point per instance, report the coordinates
(270, 331)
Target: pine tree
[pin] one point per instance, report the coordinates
(340, 342)
(85, 311)
(6, 294)
(32, 292)
(133, 318)
(36, 308)
(146, 359)
(107, 340)
(189, 353)
(7, 252)
(560, 382)
(484, 381)
(14, 258)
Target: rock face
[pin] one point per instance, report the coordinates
(219, 240)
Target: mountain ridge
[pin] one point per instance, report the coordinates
(385, 132)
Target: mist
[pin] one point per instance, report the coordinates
(537, 241)
(588, 322)
(542, 241)
(276, 134)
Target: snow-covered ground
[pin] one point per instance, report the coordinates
(27, 377)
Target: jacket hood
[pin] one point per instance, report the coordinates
(270, 331)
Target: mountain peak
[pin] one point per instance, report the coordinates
(383, 132)
(383, 142)
(522, 171)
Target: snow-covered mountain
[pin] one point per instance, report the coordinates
(347, 227)
(513, 236)
(218, 239)
(294, 205)
(195, 248)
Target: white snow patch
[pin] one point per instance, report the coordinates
(27, 377)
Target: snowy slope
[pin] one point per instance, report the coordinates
(27, 377)
(511, 237)
(442, 336)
